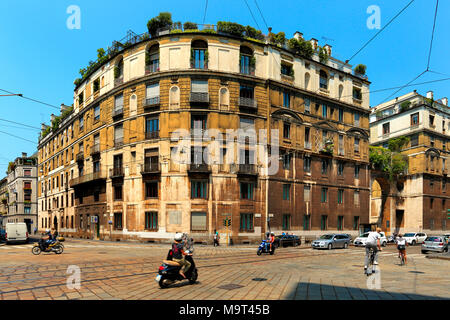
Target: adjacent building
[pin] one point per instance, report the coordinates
(3, 199)
(419, 200)
(22, 191)
(107, 169)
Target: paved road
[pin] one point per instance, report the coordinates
(127, 271)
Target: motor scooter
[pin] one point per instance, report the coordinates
(264, 247)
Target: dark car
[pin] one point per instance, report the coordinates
(2, 234)
(286, 240)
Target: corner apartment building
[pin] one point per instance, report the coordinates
(419, 200)
(3, 199)
(107, 171)
(22, 191)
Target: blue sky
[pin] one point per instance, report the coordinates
(40, 57)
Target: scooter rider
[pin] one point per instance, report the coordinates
(179, 253)
(49, 238)
(271, 239)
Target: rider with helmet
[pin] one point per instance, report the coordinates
(178, 254)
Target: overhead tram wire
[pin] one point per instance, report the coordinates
(206, 8)
(381, 30)
(34, 100)
(402, 87)
(432, 35)
(261, 14)
(252, 14)
(9, 134)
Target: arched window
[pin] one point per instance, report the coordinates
(323, 82)
(152, 59)
(199, 54)
(133, 104)
(341, 91)
(307, 79)
(247, 61)
(174, 97)
(224, 99)
(118, 72)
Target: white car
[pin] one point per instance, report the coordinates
(16, 232)
(414, 238)
(362, 239)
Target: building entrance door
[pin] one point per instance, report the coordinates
(399, 216)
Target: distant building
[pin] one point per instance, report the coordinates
(418, 201)
(22, 191)
(3, 199)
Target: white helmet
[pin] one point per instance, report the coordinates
(178, 237)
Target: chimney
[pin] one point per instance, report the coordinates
(445, 101)
(52, 117)
(43, 126)
(64, 107)
(328, 49)
(430, 95)
(298, 35)
(314, 43)
(24, 154)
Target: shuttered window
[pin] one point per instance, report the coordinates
(198, 221)
(118, 102)
(174, 217)
(152, 90)
(199, 86)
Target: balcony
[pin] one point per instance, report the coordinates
(95, 149)
(151, 102)
(197, 133)
(199, 168)
(118, 81)
(247, 70)
(199, 97)
(152, 135)
(90, 177)
(80, 157)
(152, 68)
(150, 168)
(248, 103)
(118, 142)
(247, 169)
(116, 172)
(118, 111)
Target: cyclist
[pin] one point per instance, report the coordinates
(401, 246)
(373, 242)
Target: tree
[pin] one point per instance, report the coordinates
(301, 47)
(360, 69)
(163, 20)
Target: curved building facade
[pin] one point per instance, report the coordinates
(108, 170)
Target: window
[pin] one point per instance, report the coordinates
(96, 196)
(96, 112)
(152, 59)
(386, 128)
(286, 99)
(247, 62)
(286, 222)
(306, 222)
(324, 111)
(152, 93)
(356, 117)
(118, 220)
(341, 149)
(357, 145)
(199, 189)
(287, 161)
(246, 222)
(286, 131)
(307, 164)
(324, 166)
(118, 104)
(355, 223)
(307, 193)
(118, 192)
(415, 119)
(286, 191)
(286, 70)
(307, 139)
(151, 189)
(27, 173)
(151, 128)
(431, 117)
(414, 140)
(246, 190)
(431, 203)
(27, 210)
(340, 196)
(151, 220)
(341, 115)
(323, 81)
(356, 198)
(81, 123)
(340, 223)
(323, 222)
(96, 165)
(357, 167)
(357, 94)
(340, 169)
(198, 122)
(199, 58)
(118, 135)
(307, 106)
(324, 195)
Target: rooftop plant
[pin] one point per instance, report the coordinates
(323, 55)
(405, 105)
(360, 69)
(301, 47)
(163, 20)
(390, 161)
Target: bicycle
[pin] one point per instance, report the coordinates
(371, 267)
(402, 259)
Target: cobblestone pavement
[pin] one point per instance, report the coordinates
(127, 271)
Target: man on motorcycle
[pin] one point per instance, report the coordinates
(271, 239)
(178, 254)
(49, 238)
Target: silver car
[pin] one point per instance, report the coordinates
(331, 241)
(435, 243)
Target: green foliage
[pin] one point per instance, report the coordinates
(189, 26)
(389, 161)
(177, 25)
(278, 39)
(323, 55)
(232, 28)
(405, 105)
(360, 69)
(396, 144)
(116, 72)
(380, 158)
(11, 166)
(398, 164)
(46, 132)
(253, 33)
(163, 20)
(96, 85)
(301, 47)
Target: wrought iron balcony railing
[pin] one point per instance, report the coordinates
(116, 172)
(202, 97)
(247, 102)
(151, 167)
(199, 167)
(95, 149)
(246, 168)
(90, 177)
(152, 135)
(151, 102)
(118, 111)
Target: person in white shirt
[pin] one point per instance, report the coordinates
(401, 246)
(373, 241)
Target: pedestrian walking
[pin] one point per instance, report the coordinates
(216, 238)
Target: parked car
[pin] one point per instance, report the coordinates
(331, 241)
(16, 232)
(435, 243)
(285, 240)
(415, 238)
(447, 237)
(2, 234)
(362, 239)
